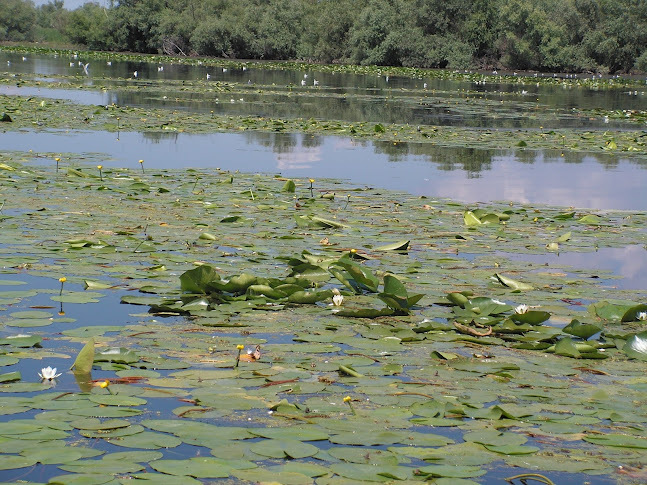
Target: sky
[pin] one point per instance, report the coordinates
(70, 4)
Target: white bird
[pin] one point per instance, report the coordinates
(303, 82)
(85, 68)
(24, 58)
(386, 79)
(109, 63)
(135, 74)
(71, 64)
(9, 63)
(208, 76)
(232, 100)
(315, 83)
(80, 63)
(424, 85)
(244, 68)
(160, 68)
(305, 76)
(224, 69)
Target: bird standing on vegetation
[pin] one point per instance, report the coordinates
(208, 76)
(303, 82)
(135, 74)
(315, 83)
(85, 68)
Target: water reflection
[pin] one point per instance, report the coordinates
(465, 174)
(348, 97)
(629, 262)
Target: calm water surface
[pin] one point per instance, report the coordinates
(464, 174)
(512, 102)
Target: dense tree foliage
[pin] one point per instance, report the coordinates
(547, 35)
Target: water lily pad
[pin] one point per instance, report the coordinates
(582, 330)
(512, 283)
(147, 441)
(83, 479)
(373, 473)
(618, 440)
(453, 471)
(289, 448)
(290, 433)
(61, 455)
(396, 246)
(160, 479)
(12, 462)
(116, 400)
(201, 467)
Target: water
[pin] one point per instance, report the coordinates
(464, 174)
(339, 96)
(594, 181)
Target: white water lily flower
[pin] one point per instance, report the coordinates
(337, 300)
(641, 315)
(640, 345)
(48, 374)
(521, 309)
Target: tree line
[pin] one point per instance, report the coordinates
(606, 36)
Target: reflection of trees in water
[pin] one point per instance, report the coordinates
(471, 160)
(311, 141)
(381, 108)
(475, 160)
(158, 136)
(278, 142)
(283, 142)
(608, 161)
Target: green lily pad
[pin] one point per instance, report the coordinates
(618, 440)
(289, 448)
(512, 283)
(453, 471)
(396, 246)
(582, 330)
